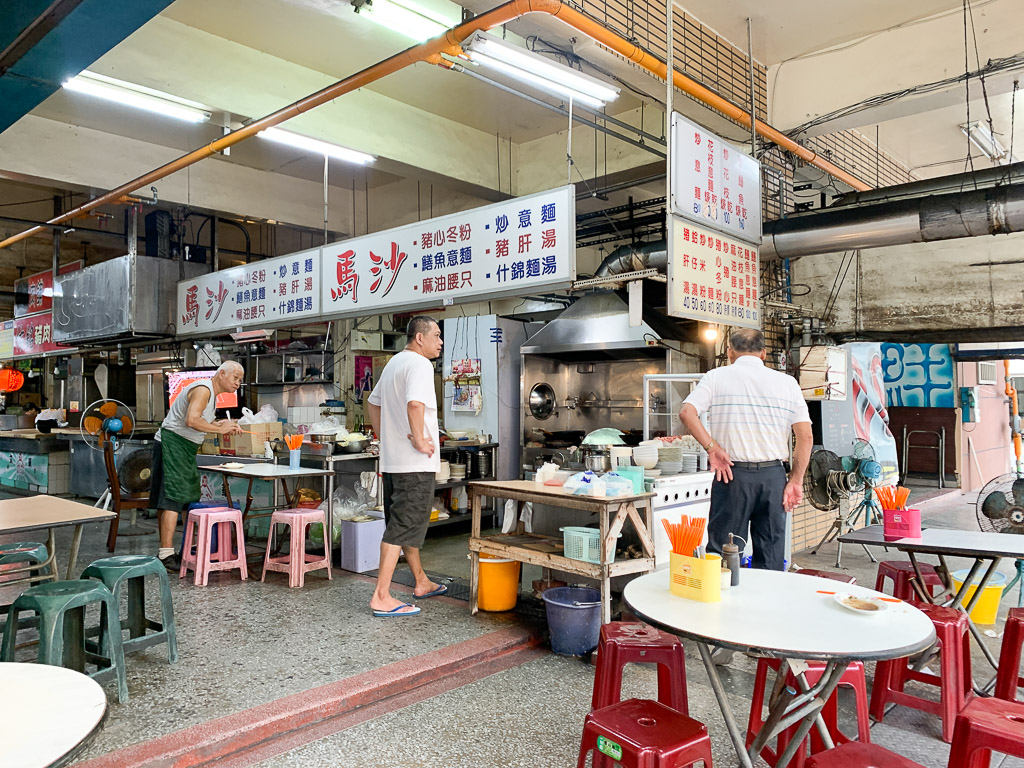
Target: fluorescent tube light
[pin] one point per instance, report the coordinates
(315, 145)
(137, 96)
(407, 18)
(982, 138)
(537, 70)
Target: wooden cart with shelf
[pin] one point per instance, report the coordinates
(611, 512)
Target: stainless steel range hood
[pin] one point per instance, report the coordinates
(596, 325)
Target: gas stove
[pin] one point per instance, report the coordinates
(674, 496)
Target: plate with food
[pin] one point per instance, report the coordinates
(858, 604)
(233, 465)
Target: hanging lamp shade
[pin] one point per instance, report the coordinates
(11, 380)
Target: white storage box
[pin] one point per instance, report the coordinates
(360, 544)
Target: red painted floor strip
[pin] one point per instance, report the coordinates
(310, 715)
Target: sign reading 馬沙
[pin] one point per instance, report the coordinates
(506, 249)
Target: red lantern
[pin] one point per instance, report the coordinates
(11, 380)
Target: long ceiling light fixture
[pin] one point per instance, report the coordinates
(981, 137)
(137, 96)
(406, 17)
(299, 141)
(532, 68)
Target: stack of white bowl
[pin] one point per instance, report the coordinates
(646, 456)
(458, 471)
(444, 473)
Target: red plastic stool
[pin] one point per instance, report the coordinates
(954, 678)
(296, 563)
(1008, 678)
(843, 577)
(852, 677)
(986, 726)
(640, 733)
(901, 572)
(857, 755)
(624, 643)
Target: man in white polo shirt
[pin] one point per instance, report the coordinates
(751, 412)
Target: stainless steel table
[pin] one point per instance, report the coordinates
(983, 547)
(783, 616)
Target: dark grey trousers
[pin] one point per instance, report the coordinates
(752, 498)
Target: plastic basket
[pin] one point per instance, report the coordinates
(582, 543)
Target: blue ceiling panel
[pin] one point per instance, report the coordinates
(90, 28)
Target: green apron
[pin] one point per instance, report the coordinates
(181, 472)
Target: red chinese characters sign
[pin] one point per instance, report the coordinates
(35, 292)
(713, 183)
(33, 336)
(713, 277)
(264, 293)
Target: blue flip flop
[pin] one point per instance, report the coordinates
(439, 591)
(397, 612)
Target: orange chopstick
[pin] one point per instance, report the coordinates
(884, 599)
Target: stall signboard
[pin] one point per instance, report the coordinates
(33, 336)
(35, 292)
(713, 183)
(275, 291)
(713, 277)
(6, 340)
(508, 248)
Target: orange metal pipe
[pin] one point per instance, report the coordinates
(1012, 394)
(430, 51)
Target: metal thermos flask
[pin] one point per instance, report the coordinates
(731, 556)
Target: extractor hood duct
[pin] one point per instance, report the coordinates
(969, 213)
(595, 326)
(630, 258)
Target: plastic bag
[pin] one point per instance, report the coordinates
(267, 415)
(347, 505)
(617, 485)
(329, 426)
(585, 484)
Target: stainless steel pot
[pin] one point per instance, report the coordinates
(322, 438)
(354, 445)
(597, 462)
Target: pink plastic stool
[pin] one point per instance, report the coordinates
(225, 558)
(297, 521)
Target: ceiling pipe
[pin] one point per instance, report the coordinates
(986, 177)
(431, 51)
(971, 213)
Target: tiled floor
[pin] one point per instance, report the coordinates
(247, 644)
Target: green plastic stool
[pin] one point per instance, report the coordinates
(60, 606)
(133, 569)
(30, 552)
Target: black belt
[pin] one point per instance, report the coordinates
(756, 464)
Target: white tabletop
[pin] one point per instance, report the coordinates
(783, 615)
(52, 710)
(943, 541)
(267, 471)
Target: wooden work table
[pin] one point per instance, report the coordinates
(611, 512)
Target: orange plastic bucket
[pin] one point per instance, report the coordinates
(498, 587)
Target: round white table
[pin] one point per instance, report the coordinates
(50, 714)
(784, 616)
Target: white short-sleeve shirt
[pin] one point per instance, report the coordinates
(751, 409)
(407, 377)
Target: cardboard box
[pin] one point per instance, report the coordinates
(251, 444)
(211, 445)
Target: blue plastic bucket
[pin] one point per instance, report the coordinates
(574, 619)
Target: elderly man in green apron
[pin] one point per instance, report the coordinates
(175, 482)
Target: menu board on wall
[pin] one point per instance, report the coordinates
(713, 183)
(6, 340)
(524, 244)
(521, 245)
(33, 336)
(265, 293)
(35, 292)
(712, 277)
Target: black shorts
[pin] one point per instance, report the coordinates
(408, 497)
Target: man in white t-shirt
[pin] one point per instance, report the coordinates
(751, 411)
(403, 411)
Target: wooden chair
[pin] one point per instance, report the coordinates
(119, 499)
